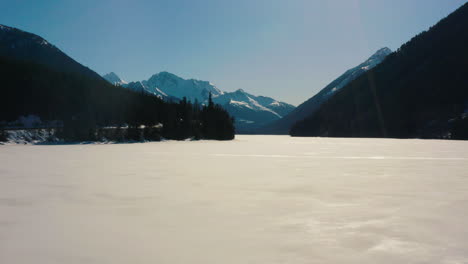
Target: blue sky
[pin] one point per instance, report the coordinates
(286, 49)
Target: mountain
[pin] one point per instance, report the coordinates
(21, 45)
(138, 86)
(85, 107)
(421, 90)
(249, 111)
(173, 85)
(114, 79)
(307, 108)
(135, 86)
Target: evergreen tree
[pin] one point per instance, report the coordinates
(3, 135)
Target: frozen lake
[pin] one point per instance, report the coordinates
(257, 199)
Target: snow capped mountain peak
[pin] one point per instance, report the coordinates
(376, 58)
(177, 87)
(382, 52)
(114, 79)
(166, 75)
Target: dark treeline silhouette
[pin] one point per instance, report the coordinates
(87, 105)
(3, 135)
(421, 90)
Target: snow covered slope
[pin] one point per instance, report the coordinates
(252, 111)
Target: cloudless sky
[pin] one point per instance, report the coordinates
(285, 49)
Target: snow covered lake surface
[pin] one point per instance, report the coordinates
(257, 199)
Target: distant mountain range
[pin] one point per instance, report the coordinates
(282, 126)
(249, 111)
(419, 91)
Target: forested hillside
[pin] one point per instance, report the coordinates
(309, 107)
(85, 104)
(421, 90)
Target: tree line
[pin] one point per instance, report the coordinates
(87, 105)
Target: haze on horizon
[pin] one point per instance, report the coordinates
(285, 50)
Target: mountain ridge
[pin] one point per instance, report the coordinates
(21, 45)
(249, 111)
(419, 91)
(283, 125)
(113, 78)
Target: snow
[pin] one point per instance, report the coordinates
(240, 104)
(275, 103)
(173, 85)
(260, 107)
(30, 136)
(257, 199)
(245, 100)
(242, 99)
(158, 91)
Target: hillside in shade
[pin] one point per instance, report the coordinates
(421, 90)
(21, 45)
(282, 126)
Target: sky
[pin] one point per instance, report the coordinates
(285, 49)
